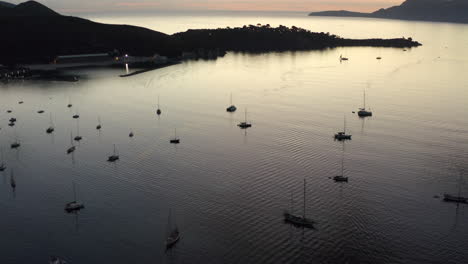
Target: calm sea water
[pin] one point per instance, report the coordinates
(227, 188)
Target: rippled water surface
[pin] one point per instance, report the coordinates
(227, 188)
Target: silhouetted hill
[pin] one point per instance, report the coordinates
(29, 8)
(33, 33)
(32, 8)
(426, 10)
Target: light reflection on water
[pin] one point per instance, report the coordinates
(227, 188)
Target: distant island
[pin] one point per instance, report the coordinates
(425, 10)
(33, 33)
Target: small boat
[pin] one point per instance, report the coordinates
(12, 180)
(343, 58)
(73, 205)
(342, 135)
(69, 105)
(20, 102)
(114, 157)
(78, 137)
(72, 148)
(76, 115)
(12, 120)
(51, 127)
(11, 124)
(40, 111)
(158, 111)
(131, 134)
(362, 111)
(341, 178)
(245, 124)
(231, 108)
(174, 234)
(99, 126)
(9, 111)
(2, 164)
(56, 260)
(299, 220)
(456, 198)
(15, 144)
(379, 58)
(175, 140)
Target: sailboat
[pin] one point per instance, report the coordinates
(72, 148)
(456, 198)
(245, 124)
(131, 134)
(114, 157)
(158, 111)
(76, 116)
(73, 205)
(175, 140)
(343, 58)
(2, 165)
(15, 144)
(362, 111)
(99, 126)
(12, 180)
(299, 220)
(173, 234)
(69, 103)
(231, 108)
(341, 177)
(342, 135)
(51, 127)
(78, 137)
(56, 260)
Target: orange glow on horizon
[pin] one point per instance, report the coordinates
(232, 5)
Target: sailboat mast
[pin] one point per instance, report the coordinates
(459, 185)
(74, 192)
(292, 204)
(344, 126)
(342, 161)
(304, 210)
(114, 149)
(231, 99)
(364, 99)
(158, 101)
(246, 115)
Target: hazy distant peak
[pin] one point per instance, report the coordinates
(427, 10)
(6, 4)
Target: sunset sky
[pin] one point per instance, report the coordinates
(80, 6)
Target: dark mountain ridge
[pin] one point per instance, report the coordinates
(424, 10)
(32, 33)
